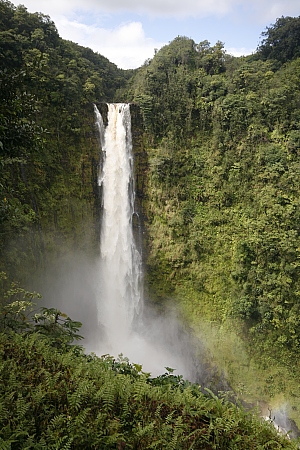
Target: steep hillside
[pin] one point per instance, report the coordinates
(223, 203)
(49, 151)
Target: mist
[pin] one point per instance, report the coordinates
(105, 292)
(157, 340)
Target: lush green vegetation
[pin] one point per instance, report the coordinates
(54, 396)
(222, 207)
(48, 151)
(223, 201)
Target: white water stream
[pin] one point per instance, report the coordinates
(121, 272)
(144, 340)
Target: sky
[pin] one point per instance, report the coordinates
(127, 32)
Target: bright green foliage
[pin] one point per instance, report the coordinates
(223, 197)
(237, 176)
(51, 399)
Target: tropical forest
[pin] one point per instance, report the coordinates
(216, 157)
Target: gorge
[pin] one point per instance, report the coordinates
(215, 153)
(128, 325)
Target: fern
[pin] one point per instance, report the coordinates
(108, 395)
(169, 417)
(80, 419)
(58, 422)
(21, 408)
(54, 400)
(147, 430)
(38, 395)
(140, 389)
(6, 444)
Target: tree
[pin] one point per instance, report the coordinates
(18, 130)
(281, 41)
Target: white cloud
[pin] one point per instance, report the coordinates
(175, 8)
(263, 9)
(158, 8)
(127, 46)
(240, 51)
(267, 11)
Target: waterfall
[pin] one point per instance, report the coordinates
(120, 266)
(127, 326)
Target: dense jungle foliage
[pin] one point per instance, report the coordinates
(223, 200)
(49, 153)
(54, 396)
(221, 204)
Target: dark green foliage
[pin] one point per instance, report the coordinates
(165, 87)
(281, 41)
(17, 315)
(48, 148)
(20, 137)
(18, 132)
(61, 398)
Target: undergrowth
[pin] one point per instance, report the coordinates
(54, 396)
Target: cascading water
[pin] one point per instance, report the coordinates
(121, 274)
(155, 342)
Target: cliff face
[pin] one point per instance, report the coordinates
(57, 189)
(222, 193)
(140, 177)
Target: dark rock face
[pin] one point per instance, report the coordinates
(140, 176)
(103, 109)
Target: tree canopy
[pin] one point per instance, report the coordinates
(281, 41)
